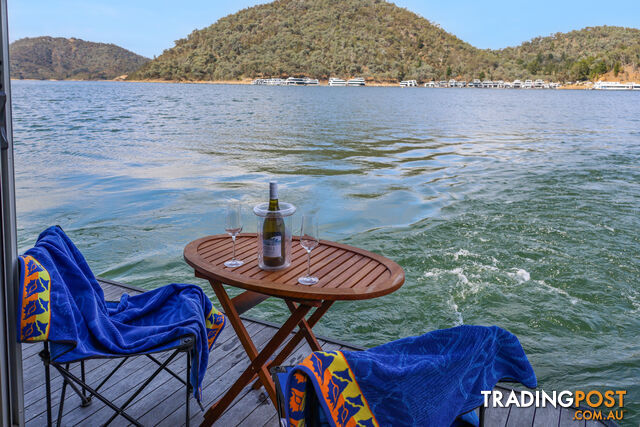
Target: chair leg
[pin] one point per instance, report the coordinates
(62, 396)
(47, 379)
(188, 385)
(86, 400)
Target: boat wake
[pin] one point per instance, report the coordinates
(520, 275)
(572, 300)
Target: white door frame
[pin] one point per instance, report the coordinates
(11, 392)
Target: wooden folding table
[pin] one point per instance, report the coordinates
(345, 273)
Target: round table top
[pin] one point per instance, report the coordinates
(344, 272)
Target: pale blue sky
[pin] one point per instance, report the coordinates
(148, 27)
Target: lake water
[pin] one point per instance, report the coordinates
(514, 208)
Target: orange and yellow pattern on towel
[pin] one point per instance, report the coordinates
(214, 323)
(340, 391)
(35, 317)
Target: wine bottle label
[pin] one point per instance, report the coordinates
(272, 248)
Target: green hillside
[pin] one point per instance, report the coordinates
(577, 55)
(318, 38)
(61, 59)
(378, 40)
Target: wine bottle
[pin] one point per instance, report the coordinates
(273, 232)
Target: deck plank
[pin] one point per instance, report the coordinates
(545, 417)
(566, 418)
(497, 417)
(521, 416)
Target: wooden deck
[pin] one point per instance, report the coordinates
(162, 402)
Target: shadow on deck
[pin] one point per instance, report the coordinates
(162, 402)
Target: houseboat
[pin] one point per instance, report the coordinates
(357, 81)
(295, 81)
(333, 81)
(430, 84)
(408, 83)
(269, 82)
(528, 84)
(613, 86)
(487, 84)
(517, 84)
(538, 84)
(310, 82)
(276, 82)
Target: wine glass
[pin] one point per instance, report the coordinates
(309, 240)
(233, 226)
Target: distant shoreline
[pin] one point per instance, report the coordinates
(209, 82)
(248, 82)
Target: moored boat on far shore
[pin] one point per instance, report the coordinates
(408, 83)
(616, 86)
(356, 81)
(334, 81)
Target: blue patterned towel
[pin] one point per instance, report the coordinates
(63, 303)
(417, 381)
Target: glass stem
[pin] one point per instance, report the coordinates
(233, 237)
(308, 263)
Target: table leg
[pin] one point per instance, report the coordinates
(305, 328)
(258, 360)
(232, 314)
(303, 332)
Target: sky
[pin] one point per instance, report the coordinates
(147, 27)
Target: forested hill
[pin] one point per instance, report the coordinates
(333, 38)
(60, 59)
(319, 38)
(577, 55)
(378, 40)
